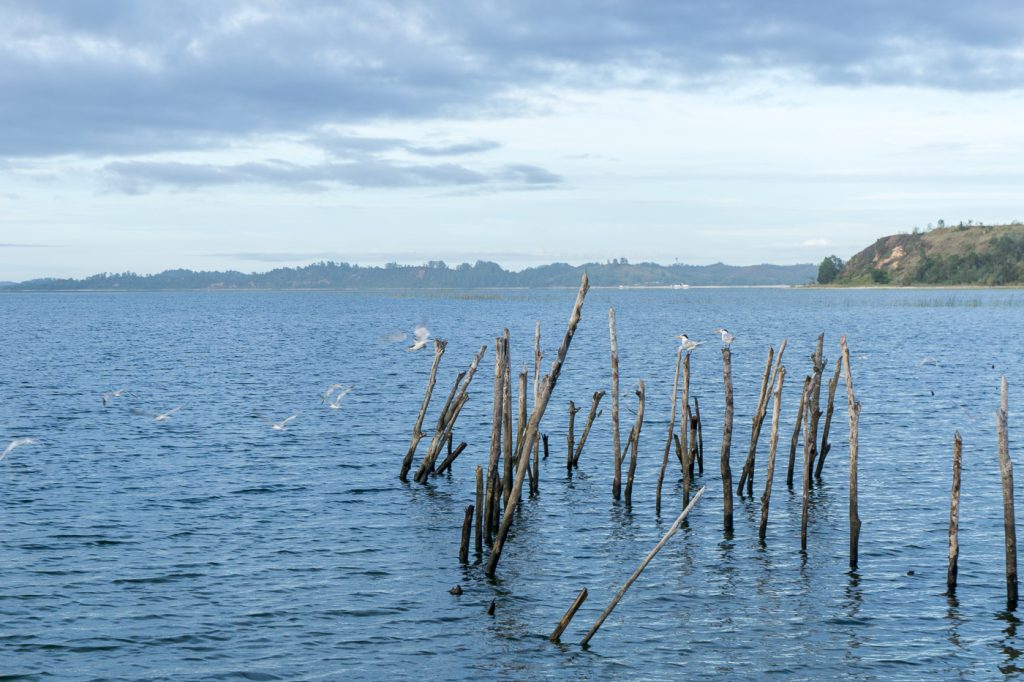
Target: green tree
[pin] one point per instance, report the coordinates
(829, 269)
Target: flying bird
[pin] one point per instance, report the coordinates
(326, 395)
(422, 335)
(687, 343)
(727, 336)
(336, 403)
(164, 416)
(281, 425)
(110, 395)
(17, 442)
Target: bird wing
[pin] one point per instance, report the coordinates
(284, 422)
(421, 333)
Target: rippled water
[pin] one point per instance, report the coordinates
(210, 546)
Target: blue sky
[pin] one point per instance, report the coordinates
(248, 135)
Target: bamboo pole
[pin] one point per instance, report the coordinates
(447, 463)
(467, 528)
(671, 429)
(547, 386)
(747, 473)
(796, 431)
(417, 430)
(727, 440)
(570, 437)
(954, 516)
(1006, 473)
(479, 509)
(586, 428)
(772, 446)
(616, 446)
(641, 396)
(573, 608)
(829, 407)
(643, 564)
(854, 413)
(700, 438)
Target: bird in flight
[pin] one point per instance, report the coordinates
(422, 335)
(687, 343)
(17, 442)
(110, 395)
(281, 425)
(335, 404)
(727, 336)
(164, 416)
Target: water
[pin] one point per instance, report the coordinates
(210, 546)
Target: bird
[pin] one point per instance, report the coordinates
(326, 395)
(164, 416)
(422, 335)
(336, 403)
(110, 395)
(687, 343)
(17, 442)
(727, 336)
(281, 425)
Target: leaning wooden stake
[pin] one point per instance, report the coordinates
(829, 408)
(671, 430)
(635, 440)
(796, 431)
(772, 445)
(643, 564)
(1006, 472)
(494, 458)
(447, 463)
(467, 529)
(417, 430)
(586, 428)
(573, 608)
(954, 516)
(854, 412)
(616, 446)
(747, 473)
(700, 437)
(547, 387)
(727, 439)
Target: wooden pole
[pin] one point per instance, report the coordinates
(954, 516)
(641, 395)
(447, 463)
(700, 437)
(544, 437)
(671, 429)
(521, 423)
(747, 473)
(467, 529)
(573, 608)
(479, 509)
(772, 446)
(616, 446)
(727, 439)
(586, 428)
(806, 499)
(417, 430)
(829, 407)
(497, 417)
(818, 362)
(796, 431)
(506, 438)
(570, 437)
(537, 355)
(684, 420)
(643, 564)
(1006, 473)
(547, 386)
(854, 412)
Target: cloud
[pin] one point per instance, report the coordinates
(139, 177)
(815, 243)
(123, 78)
(25, 246)
(337, 144)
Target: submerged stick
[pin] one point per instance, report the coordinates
(854, 411)
(1006, 473)
(616, 446)
(447, 463)
(796, 431)
(727, 440)
(417, 430)
(635, 440)
(643, 564)
(573, 608)
(671, 429)
(772, 446)
(586, 429)
(570, 437)
(547, 387)
(954, 516)
(829, 407)
(479, 509)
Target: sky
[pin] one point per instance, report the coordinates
(147, 135)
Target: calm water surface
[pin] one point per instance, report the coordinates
(210, 546)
